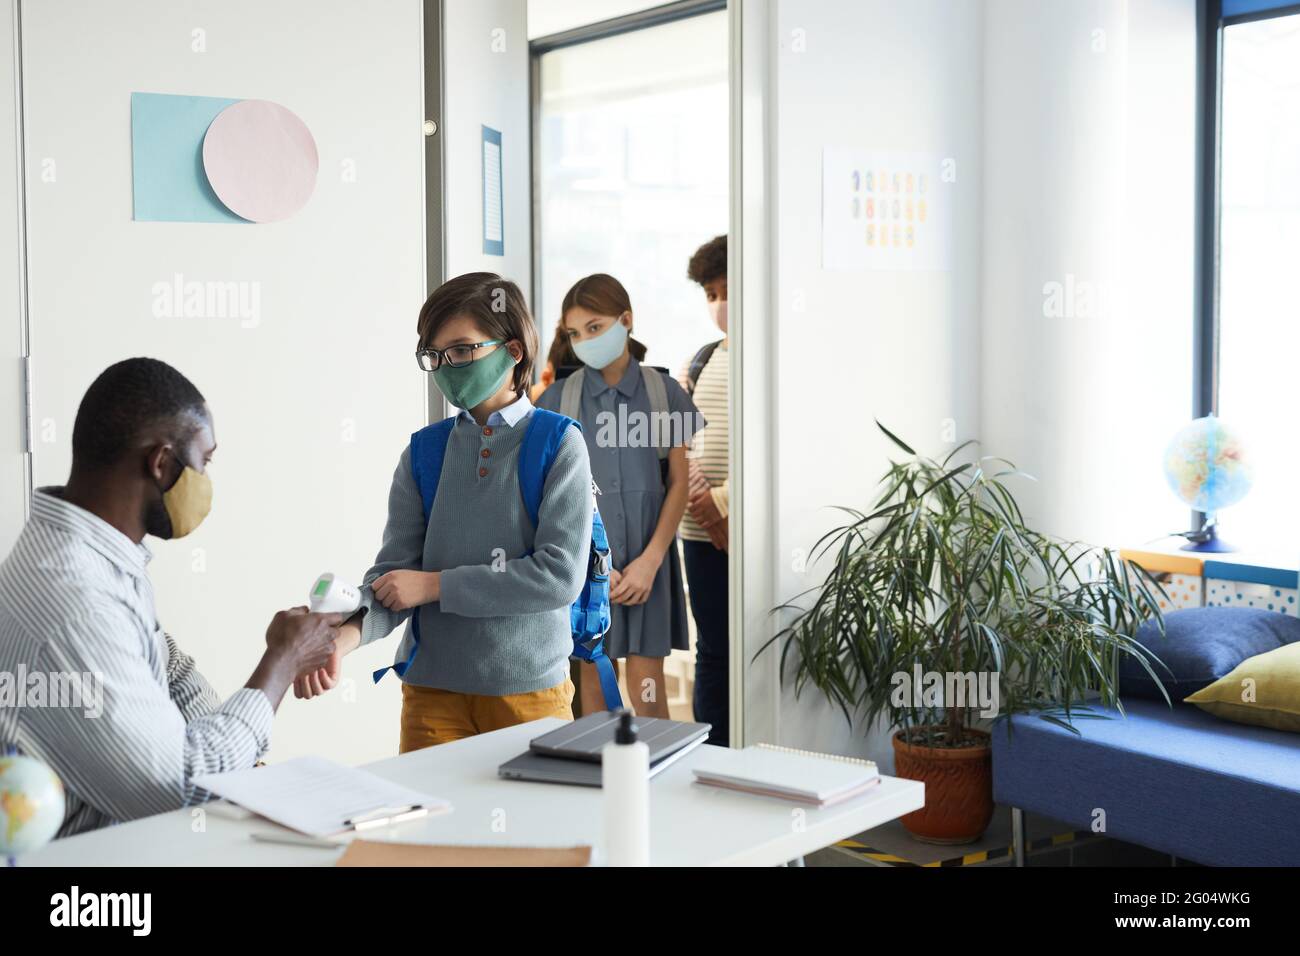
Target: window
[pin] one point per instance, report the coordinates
(632, 173)
(1258, 335)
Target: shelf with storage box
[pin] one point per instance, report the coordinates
(1232, 579)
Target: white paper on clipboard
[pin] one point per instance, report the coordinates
(314, 795)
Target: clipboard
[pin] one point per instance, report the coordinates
(321, 798)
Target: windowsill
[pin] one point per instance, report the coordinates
(1277, 556)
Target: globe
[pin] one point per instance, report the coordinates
(31, 805)
(1207, 467)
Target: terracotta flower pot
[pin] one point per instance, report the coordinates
(958, 789)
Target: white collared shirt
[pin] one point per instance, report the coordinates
(510, 416)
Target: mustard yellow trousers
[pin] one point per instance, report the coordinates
(432, 716)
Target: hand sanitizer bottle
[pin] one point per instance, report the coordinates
(625, 780)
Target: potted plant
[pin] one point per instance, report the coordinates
(942, 609)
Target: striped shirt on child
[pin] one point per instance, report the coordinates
(711, 447)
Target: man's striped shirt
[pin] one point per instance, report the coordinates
(94, 688)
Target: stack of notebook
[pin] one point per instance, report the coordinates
(820, 780)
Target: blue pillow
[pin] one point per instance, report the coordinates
(1202, 644)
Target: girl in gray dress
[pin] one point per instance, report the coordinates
(637, 421)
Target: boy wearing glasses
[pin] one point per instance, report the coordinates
(486, 594)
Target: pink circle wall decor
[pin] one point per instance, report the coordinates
(261, 160)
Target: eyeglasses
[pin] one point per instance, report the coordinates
(456, 356)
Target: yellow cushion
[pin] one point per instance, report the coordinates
(1263, 690)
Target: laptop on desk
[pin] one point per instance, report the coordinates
(571, 754)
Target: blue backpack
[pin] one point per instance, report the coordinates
(589, 615)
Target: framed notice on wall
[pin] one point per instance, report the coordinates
(886, 210)
(494, 239)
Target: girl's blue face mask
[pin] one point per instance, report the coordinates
(604, 349)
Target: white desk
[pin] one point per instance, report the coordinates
(691, 825)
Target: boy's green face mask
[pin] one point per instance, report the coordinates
(472, 384)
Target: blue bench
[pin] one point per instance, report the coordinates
(1179, 781)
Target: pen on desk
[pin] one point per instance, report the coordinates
(385, 816)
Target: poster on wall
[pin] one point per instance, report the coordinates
(886, 210)
(215, 159)
(494, 237)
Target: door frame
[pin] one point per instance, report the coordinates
(752, 295)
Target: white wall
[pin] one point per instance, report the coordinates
(1089, 150)
(314, 404)
(1072, 128)
(850, 347)
(485, 77)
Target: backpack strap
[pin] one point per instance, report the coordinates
(700, 360)
(428, 451)
(657, 392)
(589, 615)
(571, 395)
(546, 430)
(594, 653)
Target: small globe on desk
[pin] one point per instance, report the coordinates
(31, 806)
(1207, 467)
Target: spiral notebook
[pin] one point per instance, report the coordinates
(802, 776)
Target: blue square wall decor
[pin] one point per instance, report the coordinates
(168, 181)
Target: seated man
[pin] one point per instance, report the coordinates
(77, 607)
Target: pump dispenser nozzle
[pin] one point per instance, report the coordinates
(626, 733)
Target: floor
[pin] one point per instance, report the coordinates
(1050, 844)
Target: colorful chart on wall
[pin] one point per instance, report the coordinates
(886, 210)
(211, 159)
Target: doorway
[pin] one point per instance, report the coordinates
(631, 176)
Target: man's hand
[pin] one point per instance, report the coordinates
(297, 642)
(401, 590)
(719, 535)
(635, 581)
(316, 683)
(304, 641)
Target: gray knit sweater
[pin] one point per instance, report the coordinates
(502, 625)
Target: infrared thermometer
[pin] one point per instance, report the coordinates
(329, 595)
